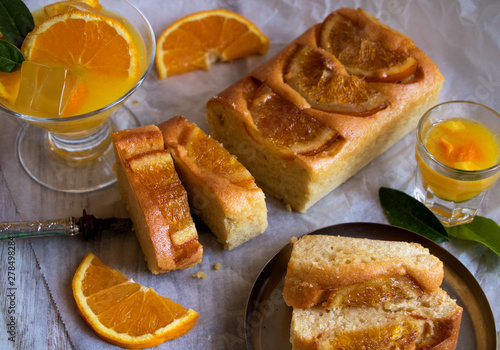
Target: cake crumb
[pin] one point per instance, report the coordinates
(217, 266)
(200, 275)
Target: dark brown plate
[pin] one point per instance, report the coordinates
(267, 319)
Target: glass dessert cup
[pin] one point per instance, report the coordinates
(75, 154)
(453, 194)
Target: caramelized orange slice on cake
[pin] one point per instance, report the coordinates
(282, 123)
(361, 54)
(325, 84)
(210, 157)
(156, 200)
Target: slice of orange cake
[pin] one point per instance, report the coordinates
(221, 190)
(156, 200)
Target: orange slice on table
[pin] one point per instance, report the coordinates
(363, 56)
(84, 42)
(198, 40)
(126, 313)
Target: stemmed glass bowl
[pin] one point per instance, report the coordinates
(75, 154)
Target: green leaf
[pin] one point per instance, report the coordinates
(405, 211)
(16, 21)
(10, 57)
(481, 229)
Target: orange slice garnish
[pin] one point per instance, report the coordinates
(83, 42)
(198, 40)
(126, 313)
(325, 85)
(361, 55)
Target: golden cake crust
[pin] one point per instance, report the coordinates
(361, 138)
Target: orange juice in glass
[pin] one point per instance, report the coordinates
(83, 60)
(458, 159)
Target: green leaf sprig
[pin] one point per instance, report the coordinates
(405, 211)
(16, 21)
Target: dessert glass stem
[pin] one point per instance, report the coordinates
(81, 148)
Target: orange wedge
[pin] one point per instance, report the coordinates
(362, 55)
(126, 313)
(200, 39)
(93, 46)
(83, 42)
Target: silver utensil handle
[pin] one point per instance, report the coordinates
(62, 227)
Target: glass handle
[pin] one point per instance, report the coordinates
(62, 227)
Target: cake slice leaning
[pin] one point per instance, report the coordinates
(156, 200)
(221, 191)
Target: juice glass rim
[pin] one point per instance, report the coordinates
(492, 169)
(117, 102)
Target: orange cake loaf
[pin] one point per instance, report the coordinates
(325, 106)
(220, 190)
(156, 200)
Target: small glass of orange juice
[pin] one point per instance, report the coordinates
(83, 59)
(458, 159)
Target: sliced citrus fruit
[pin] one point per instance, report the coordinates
(68, 5)
(325, 85)
(364, 56)
(198, 40)
(281, 122)
(83, 42)
(126, 313)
